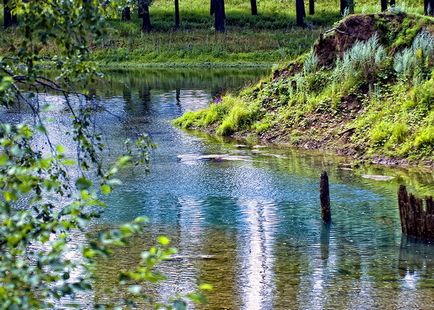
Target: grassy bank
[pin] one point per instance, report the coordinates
(365, 90)
(270, 37)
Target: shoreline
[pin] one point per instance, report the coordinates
(182, 65)
(312, 146)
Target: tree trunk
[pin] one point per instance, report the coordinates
(219, 15)
(144, 14)
(126, 14)
(254, 7)
(311, 7)
(9, 19)
(351, 6)
(177, 19)
(392, 3)
(429, 7)
(344, 6)
(383, 5)
(212, 7)
(304, 10)
(300, 12)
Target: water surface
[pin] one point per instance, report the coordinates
(252, 227)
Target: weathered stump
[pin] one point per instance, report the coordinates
(324, 195)
(416, 220)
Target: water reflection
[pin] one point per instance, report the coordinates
(255, 254)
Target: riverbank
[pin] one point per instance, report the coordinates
(372, 101)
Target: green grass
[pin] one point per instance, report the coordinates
(386, 111)
(271, 37)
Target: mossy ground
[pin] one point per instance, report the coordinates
(366, 92)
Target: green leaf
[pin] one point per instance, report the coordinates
(60, 149)
(106, 189)
(83, 183)
(3, 159)
(163, 240)
(206, 287)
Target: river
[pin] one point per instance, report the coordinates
(251, 226)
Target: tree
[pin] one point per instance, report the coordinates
(311, 7)
(9, 19)
(383, 5)
(177, 19)
(126, 14)
(300, 12)
(144, 14)
(218, 9)
(211, 7)
(35, 221)
(343, 6)
(428, 6)
(254, 7)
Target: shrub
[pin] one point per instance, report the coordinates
(415, 61)
(311, 63)
(425, 137)
(361, 61)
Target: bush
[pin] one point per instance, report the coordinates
(361, 62)
(415, 62)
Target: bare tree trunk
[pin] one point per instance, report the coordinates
(254, 7)
(144, 14)
(212, 7)
(9, 19)
(311, 7)
(383, 5)
(300, 12)
(126, 14)
(392, 3)
(219, 15)
(344, 6)
(351, 4)
(428, 6)
(177, 19)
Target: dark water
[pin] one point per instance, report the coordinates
(251, 227)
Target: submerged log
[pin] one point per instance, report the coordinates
(416, 220)
(324, 195)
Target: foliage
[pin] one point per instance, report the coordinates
(415, 61)
(47, 196)
(360, 63)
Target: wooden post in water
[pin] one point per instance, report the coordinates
(416, 221)
(324, 196)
